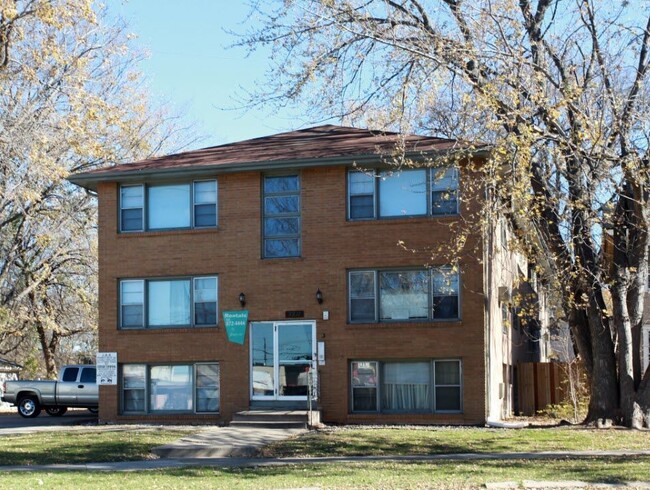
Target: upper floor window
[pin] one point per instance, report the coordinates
(410, 192)
(181, 302)
(281, 227)
(168, 206)
(403, 295)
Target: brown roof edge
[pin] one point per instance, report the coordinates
(318, 146)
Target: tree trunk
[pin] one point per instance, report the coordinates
(604, 401)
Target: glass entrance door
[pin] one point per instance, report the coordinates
(282, 355)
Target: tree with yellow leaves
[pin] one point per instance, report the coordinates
(70, 100)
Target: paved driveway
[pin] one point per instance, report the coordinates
(12, 423)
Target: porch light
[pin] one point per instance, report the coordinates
(319, 297)
(242, 299)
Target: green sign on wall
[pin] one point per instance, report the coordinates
(236, 322)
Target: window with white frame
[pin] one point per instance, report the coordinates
(407, 386)
(281, 220)
(159, 303)
(377, 194)
(168, 206)
(403, 295)
(191, 388)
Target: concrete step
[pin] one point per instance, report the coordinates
(269, 424)
(276, 418)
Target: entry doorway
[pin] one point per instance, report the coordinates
(282, 357)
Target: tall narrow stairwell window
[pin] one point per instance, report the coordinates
(281, 227)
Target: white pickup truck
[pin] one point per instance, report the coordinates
(76, 387)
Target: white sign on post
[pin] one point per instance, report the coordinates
(106, 368)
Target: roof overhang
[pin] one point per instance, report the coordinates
(90, 180)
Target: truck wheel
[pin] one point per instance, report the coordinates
(29, 407)
(56, 411)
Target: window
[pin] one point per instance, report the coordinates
(407, 387)
(362, 296)
(409, 192)
(88, 375)
(445, 293)
(403, 193)
(205, 301)
(168, 206)
(192, 388)
(403, 295)
(70, 374)
(444, 191)
(364, 386)
(207, 387)
(205, 203)
(362, 195)
(133, 387)
(281, 227)
(132, 205)
(169, 302)
(132, 303)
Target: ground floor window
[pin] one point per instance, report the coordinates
(406, 386)
(160, 388)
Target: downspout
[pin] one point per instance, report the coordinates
(487, 294)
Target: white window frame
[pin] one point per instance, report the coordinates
(126, 208)
(145, 313)
(145, 206)
(142, 304)
(215, 203)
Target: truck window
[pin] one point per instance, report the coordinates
(88, 375)
(70, 374)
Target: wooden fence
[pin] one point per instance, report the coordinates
(539, 384)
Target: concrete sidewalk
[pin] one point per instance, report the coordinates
(241, 462)
(221, 442)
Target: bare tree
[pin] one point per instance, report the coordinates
(560, 90)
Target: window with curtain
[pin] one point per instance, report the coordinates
(406, 386)
(428, 385)
(169, 303)
(168, 206)
(170, 388)
(160, 303)
(403, 295)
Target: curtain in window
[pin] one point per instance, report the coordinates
(406, 386)
(169, 303)
(404, 295)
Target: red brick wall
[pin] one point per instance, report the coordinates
(330, 246)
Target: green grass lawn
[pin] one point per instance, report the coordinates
(384, 475)
(84, 446)
(428, 440)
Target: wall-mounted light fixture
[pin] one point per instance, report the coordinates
(319, 297)
(242, 299)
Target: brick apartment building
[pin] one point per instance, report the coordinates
(289, 231)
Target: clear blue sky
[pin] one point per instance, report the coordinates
(190, 66)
